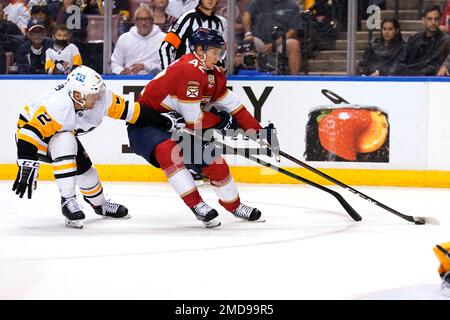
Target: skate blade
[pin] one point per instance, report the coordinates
(119, 218)
(261, 220)
(77, 224)
(211, 224)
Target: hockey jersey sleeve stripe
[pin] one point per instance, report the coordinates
(32, 141)
(165, 106)
(34, 130)
(173, 39)
(31, 134)
(228, 102)
(133, 113)
(237, 110)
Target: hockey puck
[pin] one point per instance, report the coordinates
(421, 221)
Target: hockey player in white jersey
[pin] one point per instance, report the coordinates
(48, 129)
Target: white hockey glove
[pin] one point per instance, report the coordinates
(26, 177)
(174, 121)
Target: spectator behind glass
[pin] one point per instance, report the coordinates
(381, 54)
(98, 7)
(178, 7)
(121, 7)
(10, 35)
(163, 20)
(17, 12)
(41, 12)
(136, 51)
(63, 56)
(425, 51)
(239, 9)
(30, 56)
(61, 12)
(33, 3)
(245, 60)
(259, 21)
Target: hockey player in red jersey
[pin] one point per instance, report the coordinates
(185, 88)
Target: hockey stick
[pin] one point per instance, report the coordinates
(230, 150)
(416, 220)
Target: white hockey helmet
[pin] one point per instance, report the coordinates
(85, 81)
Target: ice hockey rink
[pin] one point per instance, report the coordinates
(308, 248)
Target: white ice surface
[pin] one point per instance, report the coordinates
(309, 248)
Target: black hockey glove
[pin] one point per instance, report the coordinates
(268, 135)
(174, 121)
(227, 124)
(26, 177)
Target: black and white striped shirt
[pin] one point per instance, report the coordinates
(175, 44)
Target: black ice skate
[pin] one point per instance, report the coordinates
(73, 213)
(206, 214)
(247, 213)
(111, 209)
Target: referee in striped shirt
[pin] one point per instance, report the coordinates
(175, 44)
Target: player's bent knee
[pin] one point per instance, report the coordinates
(168, 155)
(218, 170)
(62, 145)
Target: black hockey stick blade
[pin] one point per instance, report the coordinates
(230, 150)
(348, 207)
(416, 220)
(425, 220)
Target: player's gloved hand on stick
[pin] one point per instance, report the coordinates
(26, 177)
(227, 122)
(269, 135)
(174, 121)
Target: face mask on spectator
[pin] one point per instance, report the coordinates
(61, 43)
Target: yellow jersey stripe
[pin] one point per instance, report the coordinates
(32, 141)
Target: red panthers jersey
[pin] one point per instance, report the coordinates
(187, 87)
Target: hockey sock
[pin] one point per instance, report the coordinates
(168, 156)
(219, 174)
(65, 171)
(91, 187)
